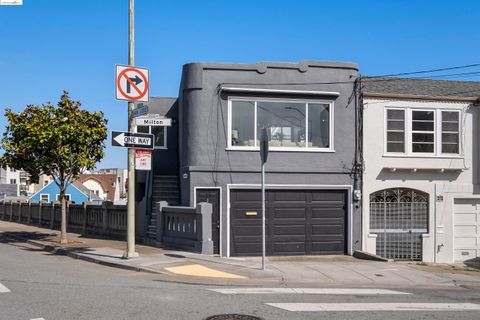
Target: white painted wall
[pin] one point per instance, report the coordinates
(447, 176)
(96, 188)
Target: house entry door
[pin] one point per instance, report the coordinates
(399, 218)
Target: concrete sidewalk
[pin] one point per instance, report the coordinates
(186, 267)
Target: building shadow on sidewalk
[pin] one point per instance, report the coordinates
(473, 263)
(23, 236)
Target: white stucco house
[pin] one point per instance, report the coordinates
(421, 178)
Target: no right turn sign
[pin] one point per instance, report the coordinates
(131, 83)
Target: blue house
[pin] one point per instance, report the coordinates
(76, 193)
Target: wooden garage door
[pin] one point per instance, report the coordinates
(299, 222)
(466, 229)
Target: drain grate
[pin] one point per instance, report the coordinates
(233, 317)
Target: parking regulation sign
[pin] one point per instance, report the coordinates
(143, 159)
(131, 83)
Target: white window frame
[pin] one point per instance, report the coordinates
(440, 131)
(405, 142)
(411, 132)
(290, 149)
(165, 129)
(66, 194)
(45, 194)
(437, 133)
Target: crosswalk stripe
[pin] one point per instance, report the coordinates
(311, 307)
(38, 319)
(332, 291)
(3, 289)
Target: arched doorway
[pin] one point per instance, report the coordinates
(399, 217)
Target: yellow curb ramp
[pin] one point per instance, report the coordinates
(197, 270)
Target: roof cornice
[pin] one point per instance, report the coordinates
(419, 97)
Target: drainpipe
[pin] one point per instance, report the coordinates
(357, 166)
(358, 161)
(435, 248)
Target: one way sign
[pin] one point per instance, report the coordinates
(132, 140)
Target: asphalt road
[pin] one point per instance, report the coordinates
(38, 285)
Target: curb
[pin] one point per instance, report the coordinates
(164, 276)
(72, 254)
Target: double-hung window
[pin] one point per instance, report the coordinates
(450, 132)
(293, 125)
(395, 130)
(422, 131)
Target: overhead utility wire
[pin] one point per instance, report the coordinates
(432, 70)
(371, 78)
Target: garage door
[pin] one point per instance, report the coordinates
(299, 222)
(466, 229)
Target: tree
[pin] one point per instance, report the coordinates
(60, 141)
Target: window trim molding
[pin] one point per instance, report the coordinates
(385, 132)
(331, 104)
(276, 91)
(437, 133)
(410, 131)
(459, 134)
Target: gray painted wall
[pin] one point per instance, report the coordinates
(203, 122)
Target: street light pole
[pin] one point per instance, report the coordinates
(130, 253)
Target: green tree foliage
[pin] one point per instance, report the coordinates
(60, 141)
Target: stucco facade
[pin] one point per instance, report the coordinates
(207, 160)
(451, 181)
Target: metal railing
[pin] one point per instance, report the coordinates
(399, 217)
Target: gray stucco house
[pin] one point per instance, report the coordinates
(211, 154)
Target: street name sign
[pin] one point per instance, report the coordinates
(131, 83)
(132, 140)
(140, 110)
(149, 121)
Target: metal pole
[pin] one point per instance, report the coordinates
(130, 253)
(263, 216)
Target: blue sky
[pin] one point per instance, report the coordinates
(47, 46)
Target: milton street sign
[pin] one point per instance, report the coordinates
(151, 121)
(132, 140)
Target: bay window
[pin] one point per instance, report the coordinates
(422, 131)
(292, 124)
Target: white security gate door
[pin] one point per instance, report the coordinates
(399, 218)
(466, 229)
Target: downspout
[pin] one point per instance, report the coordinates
(358, 161)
